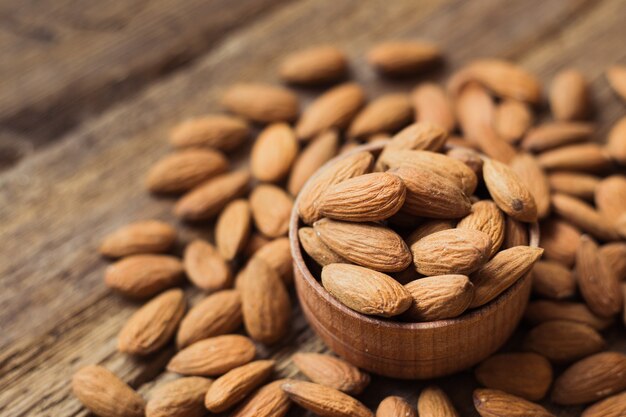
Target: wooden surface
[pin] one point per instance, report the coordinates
(86, 97)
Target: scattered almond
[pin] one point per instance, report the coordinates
(432, 104)
(542, 311)
(512, 120)
(587, 157)
(324, 401)
(400, 58)
(273, 153)
(263, 103)
(214, 131)
(148, 236)
(271, 208)
(433, 402)
(494, 403)
(314, 66)
(386, 114)
(575, 184)
(616, 76)
(509, 192)
(205, 267)
(142, 276)
(553, 280)
(563, 341)
(183, 397)
(332, 372)
(555, 134)
(232, 228)
(569, 95)
(583, 216)
(559, 239)
(321, 149)
(277, 255)
(395, 406)
(614, 256)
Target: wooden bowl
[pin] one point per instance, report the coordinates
(407, 350)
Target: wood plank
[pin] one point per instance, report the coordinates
(52, 213)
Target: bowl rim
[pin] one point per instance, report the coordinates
(300, 264)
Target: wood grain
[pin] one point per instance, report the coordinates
(56, 204)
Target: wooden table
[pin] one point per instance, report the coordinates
(87, 94)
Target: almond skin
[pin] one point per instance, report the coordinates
(591, 379)
(181, 171)
(277, 255)
(469, 157)
(332, 372)
(148, 236)
(217, 314)
(494, 403)
(214, 356)
(433, 402)
(509, 192)
(569, 95)
(555, 134)
(153, 325)
(421, 136)
(610, 196)
(574, 184)
(583, 216)
(564, 341)
(401, 58)
(512, 120)
(268, 401)
(553, 280)
(324, 401)
(614, 256)
(598, 285)
(587, 157)
(103, 393)
(368, 197)
(263, 103)
(216, 131)
(366, 291)
(559, 239)
(502, 271)
(386, 114)
(321, 149)
(316, 249)
(141, 276)
(535, 179)
(453, 251)
(264, 302)
(209, 198)
(614, 406)
(232, 228)
(314, 66)
(273, 153)
(486, 217)
(395, 406)
(545, 310)
(515, 234)
(432, 105)
(182, 397)
(341, 170)
(205, 267)
(527, 375)
(616, 76)
(235, 385)
(431, 195)
(334, 109)
(616, 142)
(428, 228)
(476, 112)
(271, 208)
(367, 244)
(440, 297)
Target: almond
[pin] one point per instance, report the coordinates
(569, 95)
(368, 197)
(616, 142)
(366, 291)
(564, 341)
(386, 114)
(454, 251)
(316, 249)
(235, 385)
(512, 120)
(610, 197)
(421, 136)
(476, 112)
(614, 406)
(588, 157)
(469, 157)
(214, 356)
(553, 280)
(432, 105)
(431, 195)
(153, 325)
(486, 217)
(366, 244)
(584, 216)
(502, 271)
(314, 66)
(210, 197)
(264, 302)
(277, 254)
(527, 375)
(509, 192)
(591, 379)
(535, 179)
(400, 58)
(559, 239)
(494, 403)
(334, 109)
(341, 170)
(263, 103)
(440, 297)
(515, 233)
(215, 315)
(271, 208)
(181, 171)
(433, 402)
(544, 310)
(273, 153)
(555, 134)
(428, 228)
(182, 397)
(332, 372)
(616, 76)
(574, 184)
(614, 256)
(255, 243)
(104, 394)
(324, 401)
(148, 236)
(205, 267)
(141, 276)
(268, 401)
(215, 131)
(232, 228)
(395, 406)
(598, 285)
(320, 150)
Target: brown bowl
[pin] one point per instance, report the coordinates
(407, 350)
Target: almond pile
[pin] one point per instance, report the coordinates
(433, 225)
